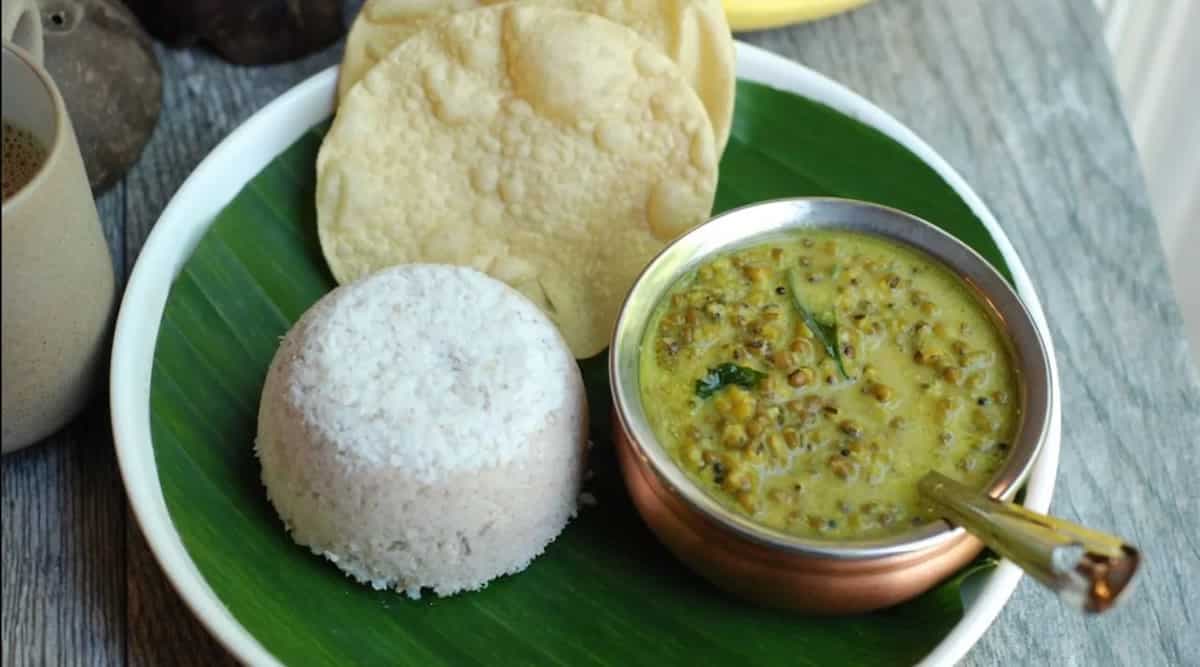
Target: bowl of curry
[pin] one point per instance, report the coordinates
(783, 375)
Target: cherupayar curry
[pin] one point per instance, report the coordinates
(809, 382)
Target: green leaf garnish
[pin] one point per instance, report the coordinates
(722, 376)
(825, 332)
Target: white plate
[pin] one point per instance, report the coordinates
(268, 133)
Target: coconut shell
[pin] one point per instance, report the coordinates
(246, 32)
(104, 65)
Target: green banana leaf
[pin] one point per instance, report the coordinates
(605, 593)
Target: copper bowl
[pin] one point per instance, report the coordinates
(766, 565)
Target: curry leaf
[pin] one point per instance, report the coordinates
(825, 332)
(727, 375)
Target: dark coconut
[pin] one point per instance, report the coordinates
(247, 32)
(104, 65)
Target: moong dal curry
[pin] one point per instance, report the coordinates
(809, 382)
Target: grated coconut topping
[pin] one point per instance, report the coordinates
(432, 368)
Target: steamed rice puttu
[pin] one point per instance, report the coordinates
(424, 427)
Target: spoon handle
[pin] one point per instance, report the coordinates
(1088, 569)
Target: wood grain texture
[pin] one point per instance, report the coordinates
(1018, 95)
(64, 558)
(161, 630)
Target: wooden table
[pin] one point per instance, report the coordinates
(1017, 94)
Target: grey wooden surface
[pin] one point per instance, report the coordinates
(1016, 94)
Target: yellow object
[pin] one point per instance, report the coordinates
(827, 441)
(759, 14)
(693, 32)
(557, 151)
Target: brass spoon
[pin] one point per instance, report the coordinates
(1089, 570)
